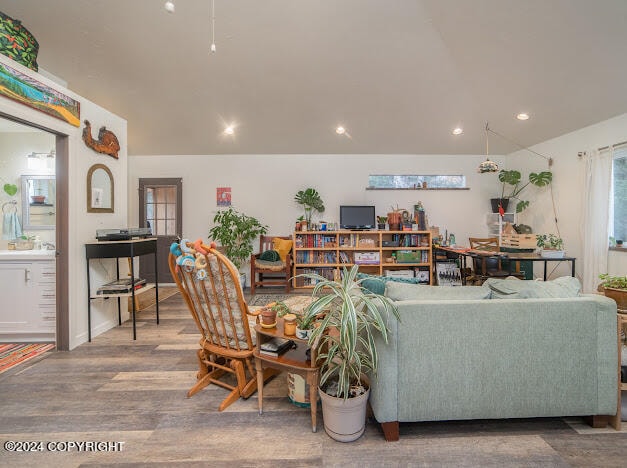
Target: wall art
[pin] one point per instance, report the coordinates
(30, 92)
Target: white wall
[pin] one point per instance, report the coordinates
(568, 170)
(82, 225)
(264, 186)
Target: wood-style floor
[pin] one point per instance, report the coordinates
(118, 390)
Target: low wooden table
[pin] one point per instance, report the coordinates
(294, 361)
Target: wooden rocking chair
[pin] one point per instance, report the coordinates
(213, 294)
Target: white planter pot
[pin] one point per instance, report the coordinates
(551, 253)
(303, 334)
(344, 420)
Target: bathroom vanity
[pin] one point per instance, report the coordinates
(27, 295)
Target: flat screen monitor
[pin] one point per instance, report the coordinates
(357, 217)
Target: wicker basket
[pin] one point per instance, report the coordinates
(519, 241)
(22, 244)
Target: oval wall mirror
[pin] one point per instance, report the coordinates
(99, 189)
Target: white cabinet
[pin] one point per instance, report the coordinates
(28, 295)
(496, 223)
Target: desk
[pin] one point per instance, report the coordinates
(511, 256)
(294, 361)
(532, 257)
(121, 249)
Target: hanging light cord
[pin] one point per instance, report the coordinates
(213, 26)
(488, 129)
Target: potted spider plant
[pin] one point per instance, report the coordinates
(345, 339)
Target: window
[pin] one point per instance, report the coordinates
(410, 182)
(618, 204)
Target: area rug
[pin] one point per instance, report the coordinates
(12, 354)
(263, 299)
(147, 299)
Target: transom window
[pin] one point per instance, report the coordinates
(407, 181)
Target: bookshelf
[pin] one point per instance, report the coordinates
(397, 253)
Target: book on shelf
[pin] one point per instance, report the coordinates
(121, 286)
(275, 346)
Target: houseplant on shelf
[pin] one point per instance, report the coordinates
(513, 179)
(311, 200)
(551, 245)
(235, 232)
(615, 287)
(351, 317)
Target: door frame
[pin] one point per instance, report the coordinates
(62, 157)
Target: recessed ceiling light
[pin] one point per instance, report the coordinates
(458, 131)
(522, 116)
(229, 130)
(169, 7)
(340, 130)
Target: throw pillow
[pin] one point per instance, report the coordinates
(270, 256)
(408, 292)
(283, 246)
(565, 286)
(376, 284)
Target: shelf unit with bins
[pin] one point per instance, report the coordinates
(326, 252)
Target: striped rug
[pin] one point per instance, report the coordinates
(12, 354)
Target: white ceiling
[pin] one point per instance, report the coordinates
(398, 74)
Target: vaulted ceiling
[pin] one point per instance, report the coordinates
(398, 74)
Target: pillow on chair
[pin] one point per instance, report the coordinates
(283, 246)
(270, 256)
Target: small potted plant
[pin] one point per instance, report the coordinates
(381, 220)
(615, 287)
(351, 318)
(305, 325)
(235, 232)
(551, 245)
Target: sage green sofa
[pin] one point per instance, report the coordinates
(460, 354)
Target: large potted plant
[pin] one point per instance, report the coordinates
(615, 287)
(235, 232)
(346, 347)
(311, 201)
(512, 186)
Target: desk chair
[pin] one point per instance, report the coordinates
(216, 302)
(485, 265)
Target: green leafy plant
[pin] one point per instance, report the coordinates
(352, 317)
(513, 179)
(311, 200)
(235, 232)
(550, 241)
(615, 282)
(382, 219)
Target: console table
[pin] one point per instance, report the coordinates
(121, 249)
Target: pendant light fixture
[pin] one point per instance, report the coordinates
(213, 26)
(487, 165)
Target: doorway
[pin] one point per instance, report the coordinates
(161, 210)
(48, 154)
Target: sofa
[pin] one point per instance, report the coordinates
(501, 350)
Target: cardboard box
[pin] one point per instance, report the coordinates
(366, 258)
(408, 256)
(399, 273)
(520, 241)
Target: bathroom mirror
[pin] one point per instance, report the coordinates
(39, 195)
(99, 189)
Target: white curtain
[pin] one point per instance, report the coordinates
(596, 194)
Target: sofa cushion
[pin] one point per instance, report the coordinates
(376, 284)
(283, 246)
(408, 292)
(565, 286)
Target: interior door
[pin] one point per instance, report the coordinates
(160, 209)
